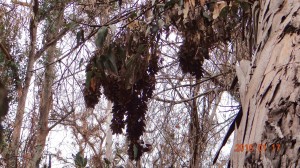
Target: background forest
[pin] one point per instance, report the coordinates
(120, 83)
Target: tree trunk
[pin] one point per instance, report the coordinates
(46, 98)
(12, 155)
(194, 131)
(268, 135)
(109, 143)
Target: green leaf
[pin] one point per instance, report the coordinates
(72, 25)
(80, 36)
(171, 4)
(79, 160)
(84, 162)
(101, 36)
(12, 64)
(1, 57)
(121, 54)
(244, 4)
(88, 78)
(130, 71)
(81, 62)
(141, 48)
(224, 11)
(100, 61)
(107, 161)
(112, 63)
(106, 64)
(135, 151)
(111, 58)
(133, 15)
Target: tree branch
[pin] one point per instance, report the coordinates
(50, 43)
(60, 120)
(185, 100)
(21, 3)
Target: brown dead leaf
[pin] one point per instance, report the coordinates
(202, 2)
(186, 9)
(93, 84)
(218, 8)
(192, 3)
(133, 25)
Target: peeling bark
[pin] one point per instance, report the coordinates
(271, 96)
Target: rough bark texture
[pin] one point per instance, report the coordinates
(270, 92)
(195, 139)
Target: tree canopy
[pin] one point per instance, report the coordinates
(140, 55)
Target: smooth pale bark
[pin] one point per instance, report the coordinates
(44, 109)
(12, 156)
(13, 152)
(270, 93)
(108, 151)
(46, 98)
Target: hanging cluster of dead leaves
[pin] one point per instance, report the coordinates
(204, 26)
(125, 68)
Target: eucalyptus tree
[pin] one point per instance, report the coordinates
(125, 65)
(36, 28)
(268, 132)
(254, 28)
